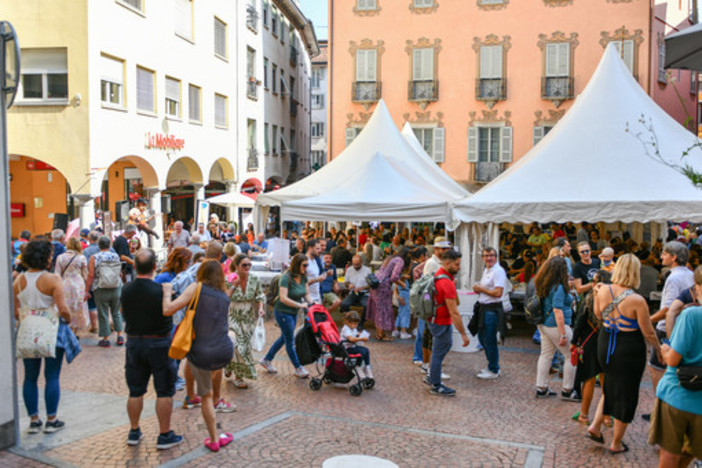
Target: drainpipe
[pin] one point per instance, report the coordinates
(330, 82)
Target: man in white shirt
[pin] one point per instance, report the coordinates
(441, 245)
(357, 284)
(205, 236)
(315, 273)
(490, 289)
(179, 237)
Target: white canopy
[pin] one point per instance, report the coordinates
(684, 49)
(594, 165)
(233, 199)
(379, 176)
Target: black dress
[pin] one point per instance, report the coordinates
(585, 324)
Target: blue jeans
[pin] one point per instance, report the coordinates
(52, 389)
(488, 340)
(440, 348)
(403, 311)
(286, 322)
(363, 351)
(418, 356)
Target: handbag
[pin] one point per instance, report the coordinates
(576, 353)
(37, 333)
(474, 323)
(373, 281)
(184, 334)
(258, 342)
(690, 377)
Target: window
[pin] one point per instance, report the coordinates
(283, 85)
(145, 90)
(172, 97)
(44, 76)
(220, 111)
(351, 134)
(423, 64)
(274, 21)
(265, 10)
(184, 18)
(693, 82)
(251, 15)
(274, 79)
(265, 72)
(293, 140)
(111, 81)
(250, 63)
(194, 103)
(282, 30)
(318, 129)
(318, 101)
(366, 5)
(251, 133)
(136, 4)
(317, 77)
(489, 147)
(366, 88)
(540, 132)
(266, 143)
(284, 148)
(432, 140)
(627, 54)
(423, 3)
(661, 61)
(220, 38)
(274, 139)
(557, 81)
(492, 85)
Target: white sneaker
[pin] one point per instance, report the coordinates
(302, 373)
(417, 363)
(405, 336)
(443, 376)
(268, 365)
(424, 368)
(395, 333)
(487, 374)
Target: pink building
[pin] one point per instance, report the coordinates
(482, 81)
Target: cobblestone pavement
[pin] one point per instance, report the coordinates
(281, 422)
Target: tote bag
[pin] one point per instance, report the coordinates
(184, 334)
(37, 333)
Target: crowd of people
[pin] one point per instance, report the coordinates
(596, 301)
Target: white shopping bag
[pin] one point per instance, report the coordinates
(258, 342)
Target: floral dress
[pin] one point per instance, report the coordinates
(74, 271)
(243, 315)
(379, 308)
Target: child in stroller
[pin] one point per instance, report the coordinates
(341, 359)
(351, 338)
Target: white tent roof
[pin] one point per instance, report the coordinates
(234, 199)
(379, 176)
(591, 168)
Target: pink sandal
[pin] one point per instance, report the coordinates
(224, 440)
(213, 446)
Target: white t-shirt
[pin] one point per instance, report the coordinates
(680, 279)
(357, 278)
(432, 265)
(494, 277)
(312, 274)
(347, 331)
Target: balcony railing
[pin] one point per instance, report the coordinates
(252, 160)
(557, 87)
(490, 89)
(365, 91)
(293, 107)
(427, 90)
(251, 88)
(293, 55)
(251, 18)
(487, 171)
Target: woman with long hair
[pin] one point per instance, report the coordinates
(247, 301)
(621, 348)
(552, 287)
(293, 295)
(380, 300)
(73, 269)
(211, 348)
(178, 261)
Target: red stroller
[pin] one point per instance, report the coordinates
(339, 366)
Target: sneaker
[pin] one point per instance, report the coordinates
(120, 340)
(53, 426)
(426, 381)
(424, 367)
(179, 384)
(301, 373)
(190, 403)
(212, 446)
(168, 440)
(223, 407)
(417, 363)
(487, 374)
(571, 395)
(268, 365)
(442, 390)
(225, 439)
(395, 333)
(405, 336)
(443, 376)
(134, 436)
(545, 393)
(104, 343)
(35, 426)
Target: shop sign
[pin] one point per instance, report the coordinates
(34, 165)
(161, 141)
(17, 210)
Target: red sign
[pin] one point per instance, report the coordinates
(34, 165)
(160, 141)
(16, 210)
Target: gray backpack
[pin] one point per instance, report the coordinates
(422, 296)
(109, 275)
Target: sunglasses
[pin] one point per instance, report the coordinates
(305, 265)
(584, 251)
(246, 265)
(489, 255)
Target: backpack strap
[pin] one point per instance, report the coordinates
(438, 277)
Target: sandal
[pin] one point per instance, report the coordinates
(599, 440)
(625, 448)
(240, 383)
(577, 418)
(225, 439)
(384, 338)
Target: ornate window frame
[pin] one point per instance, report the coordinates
(558, 37)
(491, 40)
(424, 43)
(424, 120)
(623, 34)
(368, 44)
(557, 3)
(423, 10)
(491, 6)
(542, 121)
(373, 12)
(489, 119)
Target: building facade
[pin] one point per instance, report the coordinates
(481, 86)
(124, 99)
(319, 129)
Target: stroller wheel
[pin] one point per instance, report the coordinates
(315, 384)
(368, 383)
(326, 379)
(355, 390)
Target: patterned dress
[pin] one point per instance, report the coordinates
(243, 315)
(74, 271)
(380, 300)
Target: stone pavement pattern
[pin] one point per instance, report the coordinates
(281, 422)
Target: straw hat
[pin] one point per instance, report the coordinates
(442, 243)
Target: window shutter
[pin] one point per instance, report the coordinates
(145, 89)
(266, 146)
(564, 59)
(472, 144)
(439, 140)
(505, 144)
(538, 134)
(172, 89)
(371, 65)
(194, 103)
(111, 70)
(220, 37)
(491, 62)
(350, 135)
(629, 55)
(183, 18)
(557, 59)
(361, 65)
(423, 64)
(46, 61)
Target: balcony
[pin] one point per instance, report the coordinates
(293, 107)
(490, 90)
(365, 91)
(251, 18)
(487, 171)
(252, 88)
(557, 88)
(424, 91)
(252, 160)
(294, 53)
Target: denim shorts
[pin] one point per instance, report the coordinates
(147, 357)
(653, 361)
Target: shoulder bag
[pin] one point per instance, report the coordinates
(184, 334)
(37, 333)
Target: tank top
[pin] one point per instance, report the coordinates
(30, 297)
(211, 349)
(614, 325)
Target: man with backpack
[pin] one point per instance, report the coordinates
(446, 304)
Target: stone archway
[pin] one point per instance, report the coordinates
(185, 185)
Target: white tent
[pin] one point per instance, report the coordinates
(599, 163)
(233, 199)
(379, 176)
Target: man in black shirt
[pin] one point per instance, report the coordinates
(121, 246)
(148, 341)
(585, 269)
(341, 257)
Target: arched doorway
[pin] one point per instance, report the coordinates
(221, 175)
(273, 183)
(183, 179)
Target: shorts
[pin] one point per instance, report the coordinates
(329, 299)
(91, 303)
(675, 430)
(653, 361)
(147, 357)
(203, 379)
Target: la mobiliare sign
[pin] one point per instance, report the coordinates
(161, 141)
